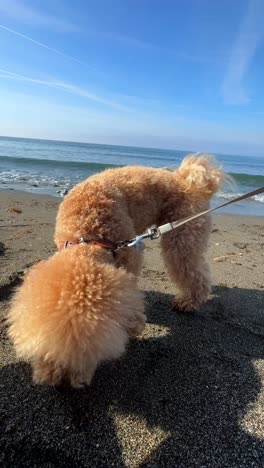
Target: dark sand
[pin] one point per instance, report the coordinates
(189, 393)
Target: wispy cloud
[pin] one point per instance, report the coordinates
(23, 12)
(133, 42)
(129, 41)
(242, 52)
(41, 44)
(26, 14)
(63, 86)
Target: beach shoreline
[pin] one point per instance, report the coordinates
(189, 392)
(50, 167)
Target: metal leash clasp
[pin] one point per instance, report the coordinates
(138, 243)
(121, 245)
(152, 233)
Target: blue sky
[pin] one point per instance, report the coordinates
(184, 74)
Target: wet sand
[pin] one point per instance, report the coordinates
(188, 393)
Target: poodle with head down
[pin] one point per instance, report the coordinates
(80, 307)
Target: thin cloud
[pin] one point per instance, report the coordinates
(243, 50)
(130, 41)
(68, 87)
(134, 42)
(20, 11)
(41, 44)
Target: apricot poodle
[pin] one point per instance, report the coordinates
(79, 307)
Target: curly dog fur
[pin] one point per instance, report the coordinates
(79, 307)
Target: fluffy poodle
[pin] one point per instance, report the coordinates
(79, 307)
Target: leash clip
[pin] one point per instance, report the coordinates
(152, 233)
(121, 245)
(136, 241)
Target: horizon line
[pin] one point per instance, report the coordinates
(128, 146)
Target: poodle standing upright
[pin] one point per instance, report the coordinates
(79, 307)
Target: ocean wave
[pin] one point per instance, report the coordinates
(95, 167)
(228, 196)
(123, 159)
(231, 195)
(259, 198)
(35, 180)
(59, 174)
(250, 180)
(242, 179)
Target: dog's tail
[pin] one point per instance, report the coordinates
(201, 174)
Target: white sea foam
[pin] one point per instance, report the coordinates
(25, 179)
(259, 198)
(230, 195)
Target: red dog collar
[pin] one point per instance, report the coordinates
(105, 243)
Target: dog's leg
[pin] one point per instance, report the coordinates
(49, 373)
(130, 259)
(137, 325)
(183, 252)
(45, 372)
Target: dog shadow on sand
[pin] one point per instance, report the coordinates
(194, 380)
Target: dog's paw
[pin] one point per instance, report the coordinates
(137, 326)
(190, 301)
(49, 373)
(46, 372)
(79, 380)
(183, 304)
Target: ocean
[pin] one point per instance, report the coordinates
(52, 167)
